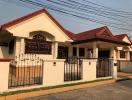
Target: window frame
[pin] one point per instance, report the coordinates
(122, 54)
(38, 45)
(81, 52)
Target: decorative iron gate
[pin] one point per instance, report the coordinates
(72, 69)
(104, 68)
(25, 70)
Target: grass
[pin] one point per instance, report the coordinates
(49, 87)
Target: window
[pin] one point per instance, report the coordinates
(11, 46)
(122, 54)
(38, 45)
(74, 52)
(62, 52)
(81, 52)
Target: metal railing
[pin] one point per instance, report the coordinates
(72, 69)
(25, 70)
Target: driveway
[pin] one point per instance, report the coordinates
(121, 90)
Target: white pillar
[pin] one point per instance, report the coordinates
(4, 71)
(70, 51)
(128, 55)
(22, 48)
(114, 68)
(86, 52)
(95, 50)
(55, 50)
(17, 47)
(113, 53)
(77, 51)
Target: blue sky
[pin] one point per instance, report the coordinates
(10, 11)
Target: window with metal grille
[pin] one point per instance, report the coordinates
(74, 52)
(38, 45)
(81, 52)
(122, 54)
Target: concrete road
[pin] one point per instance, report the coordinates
(118, 91)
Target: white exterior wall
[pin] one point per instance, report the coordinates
(4, 72)
(40, 22)
(89, 70)
(126, 66)
(53, 74)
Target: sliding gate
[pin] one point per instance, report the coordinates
(73, 69)
(25, 71)
(104, 68)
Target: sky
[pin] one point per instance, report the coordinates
(10, 11)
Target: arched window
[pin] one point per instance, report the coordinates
(39, 37)
(38, 45)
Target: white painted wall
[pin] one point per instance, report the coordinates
(126, 66)
(89, 69)
(40, 22)
(4, 72)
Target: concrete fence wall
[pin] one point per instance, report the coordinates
(4, 72)
(126, 66)
(89, 69)
(53, 74)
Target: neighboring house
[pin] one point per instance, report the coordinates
(124, 53)
(38, 37)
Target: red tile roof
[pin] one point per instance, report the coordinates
(21, 19)
(102, 33)
(122, 36)
(91, 34)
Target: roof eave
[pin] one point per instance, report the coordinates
(100, 39)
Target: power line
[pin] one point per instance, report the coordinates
(53, 8)
(85, 10)
(62, 11)
(97, 9)
(108, 8)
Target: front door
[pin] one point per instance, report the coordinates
(104, 54)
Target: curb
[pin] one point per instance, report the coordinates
(55, 90)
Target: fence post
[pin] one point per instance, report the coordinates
(4, 73)
(114, 68)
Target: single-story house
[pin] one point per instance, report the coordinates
(36, 40)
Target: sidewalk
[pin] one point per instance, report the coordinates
(55, 90)
(123, 75)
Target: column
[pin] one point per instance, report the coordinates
(77, 51)
(17, 47)
(95, 50)
(55, 54)
(70, 51)
(113, 53)
(128, 55)
(114, 68)
(86, 53)
(22, 48)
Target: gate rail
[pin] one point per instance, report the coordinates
(25, 70)
(72, 69)
(104, 68)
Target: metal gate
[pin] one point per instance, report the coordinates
(104, 68)
(72, 69)
(25, 70)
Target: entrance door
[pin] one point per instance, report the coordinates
(104, 54)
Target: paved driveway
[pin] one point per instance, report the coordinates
(117, 91)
